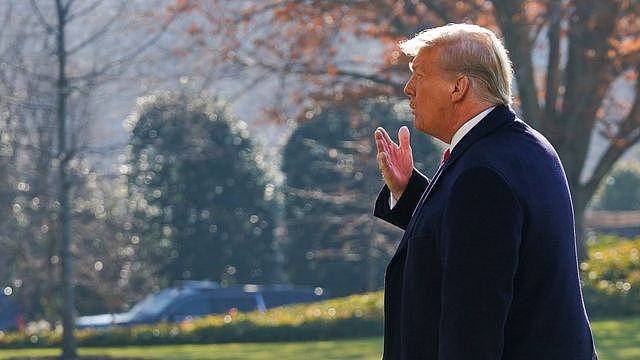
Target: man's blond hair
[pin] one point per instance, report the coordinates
(469, 50)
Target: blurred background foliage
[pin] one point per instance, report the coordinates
(611, 277)
(232, 140)
(332, 180)
(620, 190)
(197, 192)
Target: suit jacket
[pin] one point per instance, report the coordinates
(487, 265)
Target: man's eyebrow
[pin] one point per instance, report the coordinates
(411, 66)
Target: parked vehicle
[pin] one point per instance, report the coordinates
(10, 317)
(195, 299)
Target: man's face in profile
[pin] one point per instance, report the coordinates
(429, 92)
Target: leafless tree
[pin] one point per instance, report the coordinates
(55, 55)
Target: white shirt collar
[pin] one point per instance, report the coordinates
(466, 127)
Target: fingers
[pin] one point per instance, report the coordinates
(383, 165)
(381, 147)
(379, 141)
(387, 138)
(403, 137)
(383, 162)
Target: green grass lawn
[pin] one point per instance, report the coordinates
(616, 340)
(360, 349)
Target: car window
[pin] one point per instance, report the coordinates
(154, 304)
(193, 307)
(241, 303)
(212, 304)
(278, 298)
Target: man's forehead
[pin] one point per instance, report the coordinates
(417, 60)
(427, 56)
(415, 63)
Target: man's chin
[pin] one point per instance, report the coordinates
(416, 124)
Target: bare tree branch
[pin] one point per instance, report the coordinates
(66, 9)
(7, 19)
(628, 135)
(37, 76)
(84, 11)
(99, 33)
(127, 57)
(553, 66)
(32, 103)
(48, 27)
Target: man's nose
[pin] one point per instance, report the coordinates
(408, 88)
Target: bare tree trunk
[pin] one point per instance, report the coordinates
(581, 195)
(581, 245)
(68, 338)
(369, 256)
(64, 155)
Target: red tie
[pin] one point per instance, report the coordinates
(446, 154)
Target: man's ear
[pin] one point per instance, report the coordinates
(460, 88)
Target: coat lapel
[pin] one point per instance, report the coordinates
(498, 117)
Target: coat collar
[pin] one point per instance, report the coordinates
(499, 116)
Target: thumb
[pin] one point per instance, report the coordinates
(403, 137)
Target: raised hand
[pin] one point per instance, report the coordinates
(395, 161)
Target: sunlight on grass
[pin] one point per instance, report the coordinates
(365, 349)
(616, 339)
(359, 349)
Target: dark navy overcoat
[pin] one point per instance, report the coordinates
(487, 268)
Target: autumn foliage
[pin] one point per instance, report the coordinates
(576, 62)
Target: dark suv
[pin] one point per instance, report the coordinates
(197, 298)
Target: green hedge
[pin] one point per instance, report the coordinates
(352, 316)
(611, 277)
